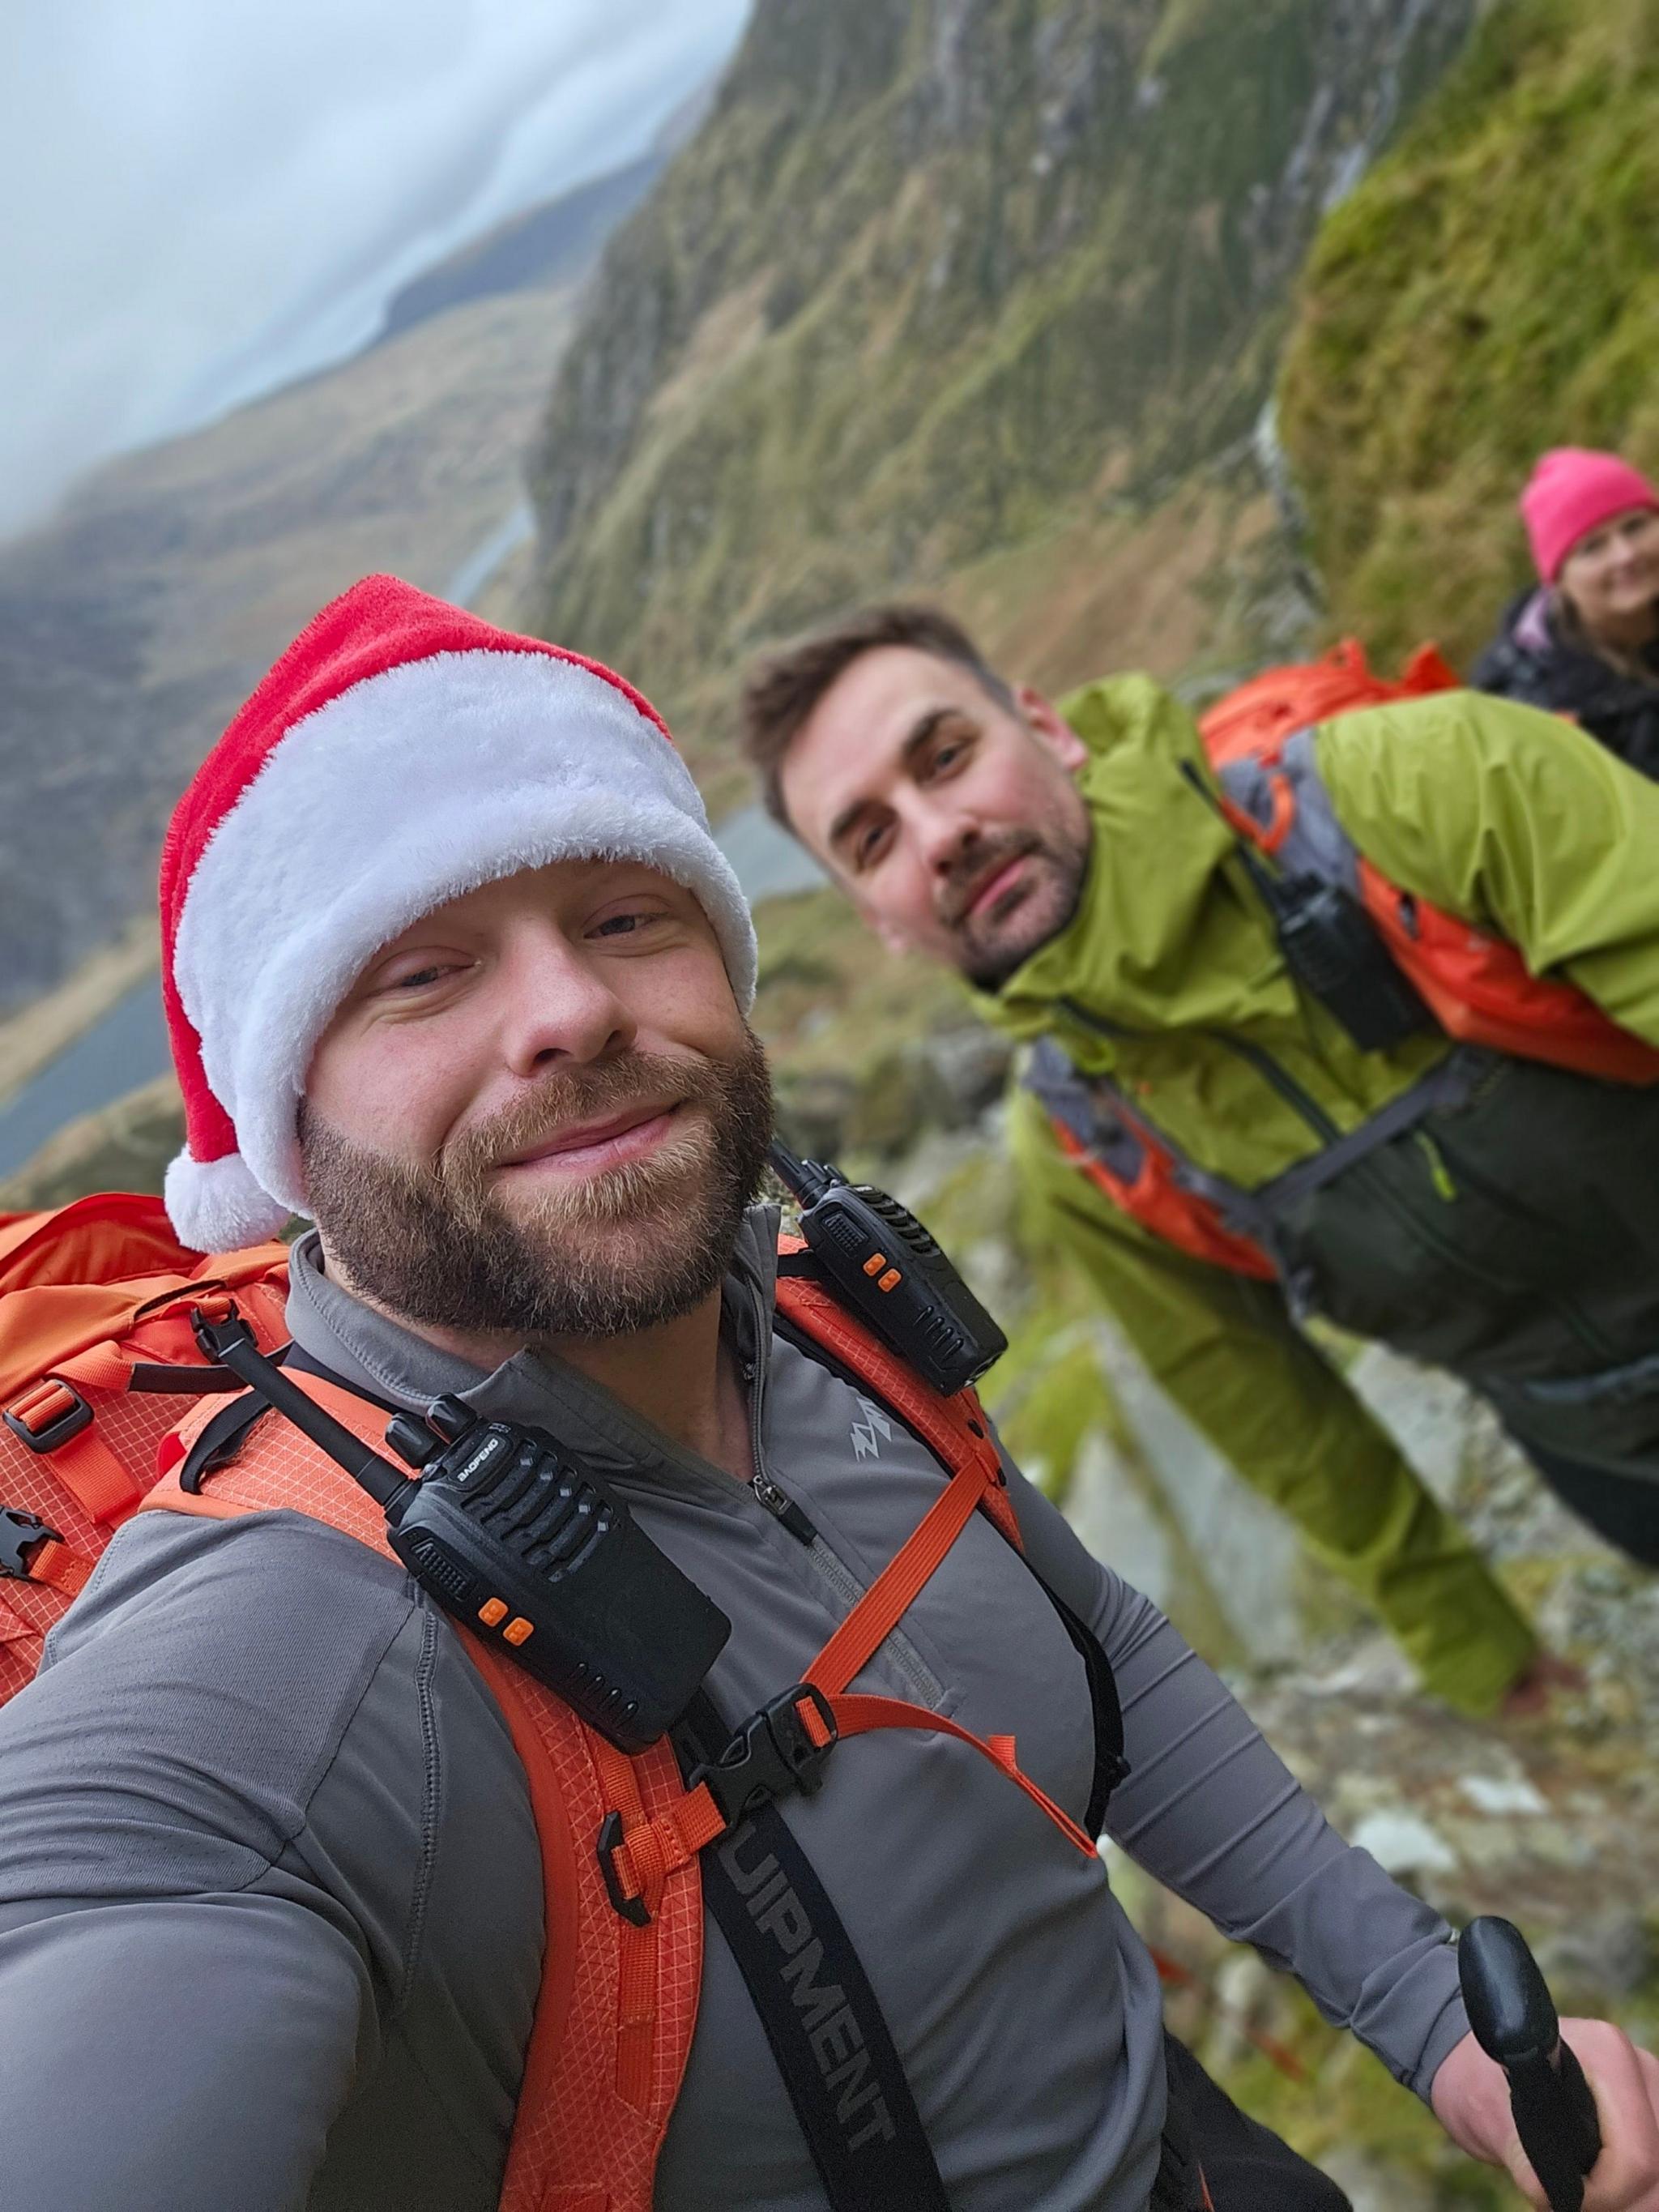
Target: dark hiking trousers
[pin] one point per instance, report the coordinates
(1245, 2166)
(1622, 1509)
(1513, 1239)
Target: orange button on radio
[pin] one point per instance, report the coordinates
(889, 1281)
(875, 1263)
(493, 1610)
(519, 1631)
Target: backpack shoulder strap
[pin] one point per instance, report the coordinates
(618, 1999)
(956, 1430)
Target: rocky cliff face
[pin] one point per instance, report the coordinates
(936, 277)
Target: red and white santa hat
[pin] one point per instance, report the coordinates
(400, 753)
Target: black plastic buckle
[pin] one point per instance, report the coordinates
(20, 1532)
(632, 1909)
(217, 1334)
(771, 1755)
(76, 1416)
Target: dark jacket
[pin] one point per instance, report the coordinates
(1530, 659)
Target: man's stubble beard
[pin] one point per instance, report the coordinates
(1060, 856)
(605, 1255)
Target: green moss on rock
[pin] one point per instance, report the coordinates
(1491, 289)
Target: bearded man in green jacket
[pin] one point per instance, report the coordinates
(1488, 1213)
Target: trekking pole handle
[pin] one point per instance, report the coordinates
(1514, 2022)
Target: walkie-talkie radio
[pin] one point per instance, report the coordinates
(1331, 946)
(524, 1546)
(881, 1261)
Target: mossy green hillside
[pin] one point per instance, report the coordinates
(933, 284)
(1492, 288)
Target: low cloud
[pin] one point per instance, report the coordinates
(203, 198)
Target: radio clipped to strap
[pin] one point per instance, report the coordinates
(885, 1268)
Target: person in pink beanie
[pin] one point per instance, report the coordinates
(1585, 640)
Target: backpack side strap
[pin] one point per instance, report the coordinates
(618, 1998)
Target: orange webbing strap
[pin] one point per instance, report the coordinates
(53, 1564)
(652, 1848)
(82, 1461)
(617, 2002)
(860, 1716)
(953, 1428)
(1267, 837)
(888, 1599)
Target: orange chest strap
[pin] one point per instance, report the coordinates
(785, 1745)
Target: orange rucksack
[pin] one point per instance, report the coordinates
(97, 1353)
(1252, 719)
(1475, 984)
(621, 1836)
(97, 1362)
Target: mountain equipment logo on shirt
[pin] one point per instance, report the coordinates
(869, 1434)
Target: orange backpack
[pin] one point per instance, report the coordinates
(1476, 985)
(1250, 721)
(97, 1361)
(621, 1836)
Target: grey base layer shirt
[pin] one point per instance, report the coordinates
(270, 1925)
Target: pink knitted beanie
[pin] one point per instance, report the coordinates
(1574, 490)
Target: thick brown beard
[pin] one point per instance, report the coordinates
(611, 1254)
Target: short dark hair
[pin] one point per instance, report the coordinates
(783, 688)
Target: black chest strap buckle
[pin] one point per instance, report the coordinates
(774, 1752)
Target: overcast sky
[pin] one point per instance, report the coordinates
(200, 200)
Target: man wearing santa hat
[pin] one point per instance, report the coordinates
(454, 968)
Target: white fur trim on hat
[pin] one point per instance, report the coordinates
(216, 1206)
(408, 790)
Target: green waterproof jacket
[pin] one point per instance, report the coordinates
(1170, 980)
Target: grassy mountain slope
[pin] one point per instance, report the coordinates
(955, 285)
(1492, 288)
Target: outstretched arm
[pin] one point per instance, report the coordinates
(195, 1937)
(1211, 1811)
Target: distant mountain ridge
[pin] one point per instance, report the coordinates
(551, 245)
(134, 622)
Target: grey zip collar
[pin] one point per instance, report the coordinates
(368, 1352)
